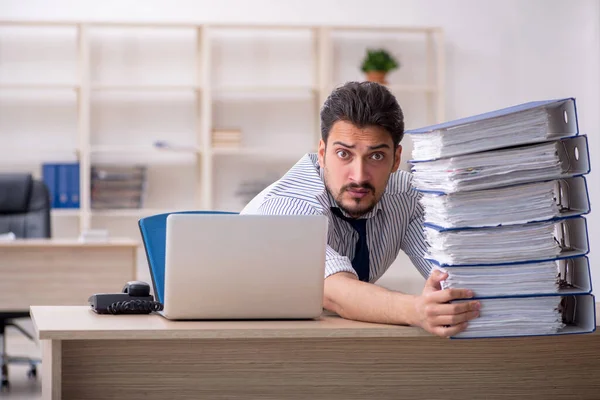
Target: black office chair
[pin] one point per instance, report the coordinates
(24, 211)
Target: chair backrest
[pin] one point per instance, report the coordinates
(24, 206)
(154, 236)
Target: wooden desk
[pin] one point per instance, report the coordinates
(90, 356)
(62, 272)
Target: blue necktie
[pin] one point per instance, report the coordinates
(360, 263)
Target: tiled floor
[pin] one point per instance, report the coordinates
(21, 387)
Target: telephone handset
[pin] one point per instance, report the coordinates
(134, 299)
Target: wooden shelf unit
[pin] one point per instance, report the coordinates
(200, 153)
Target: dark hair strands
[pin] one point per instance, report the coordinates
(363, 104)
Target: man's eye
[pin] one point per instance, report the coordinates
(342, 153)
(377, 156)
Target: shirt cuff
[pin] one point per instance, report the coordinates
(338, 264)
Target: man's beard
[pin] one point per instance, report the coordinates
(358, 210)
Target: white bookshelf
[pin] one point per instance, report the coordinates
(104, 92)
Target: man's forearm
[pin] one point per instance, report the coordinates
(356, 300)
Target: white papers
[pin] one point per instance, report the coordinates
(505, 244)
(491, 169)
(516, 316)
(94, 236)
(522, 279)
(497, 190)
(520, 204)
(524, 127)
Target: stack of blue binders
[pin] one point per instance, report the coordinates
(505, 197)
(62, 180)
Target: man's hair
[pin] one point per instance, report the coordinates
(363, 104)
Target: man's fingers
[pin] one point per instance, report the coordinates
(435, 279)
(444, 320)
(444, 296)
(454, 308)
(450, 331)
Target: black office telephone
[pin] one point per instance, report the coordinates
(134, 299)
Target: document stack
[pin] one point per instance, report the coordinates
(504, 196)
(117, 187)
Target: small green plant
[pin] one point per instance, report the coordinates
(379, 60)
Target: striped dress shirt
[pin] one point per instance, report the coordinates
(394, 224)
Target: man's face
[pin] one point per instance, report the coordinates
(357, 164)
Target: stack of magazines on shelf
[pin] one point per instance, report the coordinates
(504, 195)
(117, 187)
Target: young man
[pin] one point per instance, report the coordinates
(373, 213)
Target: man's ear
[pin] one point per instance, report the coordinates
(397, 157)
(321, 153)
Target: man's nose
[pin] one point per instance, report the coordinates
(359, 172)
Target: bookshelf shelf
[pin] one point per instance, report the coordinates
(264, 89)
(37, 86)
(144, 88)
(35, 150)
(267, 82)
(66, 212)
(265, 93)
(264, 153)
(132, 149)
(389, 29)
(133, 213)
(140, 154)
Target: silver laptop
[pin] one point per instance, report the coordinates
(228, 266)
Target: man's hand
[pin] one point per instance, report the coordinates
(356, 300)
(435, 315)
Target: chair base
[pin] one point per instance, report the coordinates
(32, 373)
(6, 360)
(5, 386)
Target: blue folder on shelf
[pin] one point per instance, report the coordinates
(153, 230)
(62, 180)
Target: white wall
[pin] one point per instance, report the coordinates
(498, 52)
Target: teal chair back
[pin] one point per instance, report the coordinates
(154, 236)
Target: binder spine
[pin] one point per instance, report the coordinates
(49, 177)
(73, 184)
